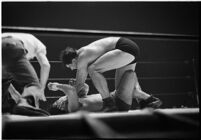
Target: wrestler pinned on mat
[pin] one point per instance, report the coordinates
(71, 102)
(19, 76)
(103, 55)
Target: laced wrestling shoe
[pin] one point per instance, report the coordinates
(152, 102)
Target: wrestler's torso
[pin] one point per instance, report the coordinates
(30, 43)
(98, 48)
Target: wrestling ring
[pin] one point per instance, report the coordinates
(168, 75)
(160, 123)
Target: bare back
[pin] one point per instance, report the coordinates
(98, 48)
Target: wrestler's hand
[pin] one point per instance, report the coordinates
(36, 92)
(83, 91)
(42, 96)
(72, 82)
(53, 86)
(61, 103)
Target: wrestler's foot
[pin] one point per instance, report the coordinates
(152, 102)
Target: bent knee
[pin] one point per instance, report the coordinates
(93, 69)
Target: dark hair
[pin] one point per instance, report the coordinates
(12, 48)
(68, 55)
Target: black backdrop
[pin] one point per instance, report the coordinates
(156, 17)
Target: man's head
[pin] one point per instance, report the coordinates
(69, 58)
(12, 49)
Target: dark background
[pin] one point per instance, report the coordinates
(156, 17)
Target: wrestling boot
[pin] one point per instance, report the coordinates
(27, 106)
(109, 105)
(151, 102)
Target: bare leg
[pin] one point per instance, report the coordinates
(119, 73)
(111, 60)
(144, 99)
(137, 91)
(138, 94)
(126, 86)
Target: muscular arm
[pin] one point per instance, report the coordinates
(44, 72)
(44, 69)
(81, 74)
(70, 92)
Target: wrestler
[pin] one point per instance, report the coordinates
(71, 102)
(104, 55)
